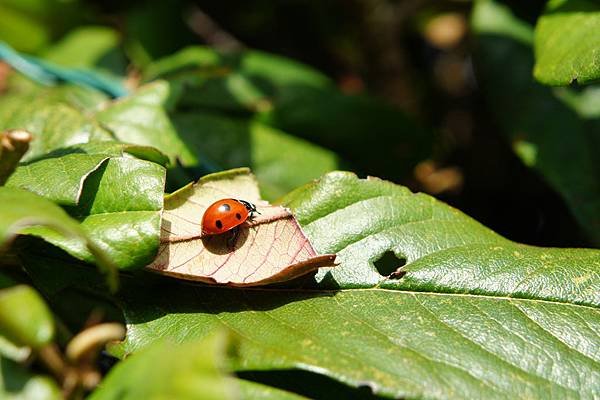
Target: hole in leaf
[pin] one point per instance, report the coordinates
(388, 263)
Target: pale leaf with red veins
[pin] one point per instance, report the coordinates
(270, 248)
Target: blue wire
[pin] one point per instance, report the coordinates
(48, 74)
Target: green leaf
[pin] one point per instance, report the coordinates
(298, 100)
(27, 209)
(164, 370)
(155, 29)
(536, 118)
(117, 198)
(515, 321)
(26, 213)
(67, 115)
(25, 320)
(401, 344)
(443, 249)
(204, 77)
(84, 47)
(16, 383)
(22, 31)
(56, 117)
(586, 102)
(60, 175)
(60, 179)
(141, 119)
(567, 40)
(281, 162)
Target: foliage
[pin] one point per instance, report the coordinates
(423, 301)
(539, 116)
(566, 43)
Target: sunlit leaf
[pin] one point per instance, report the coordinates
(141, 119)
(567, 39)
(117, 197)
(67, 115)
(473, 315)
(271, 248)
(35, 215)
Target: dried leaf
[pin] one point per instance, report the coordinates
(271, 248)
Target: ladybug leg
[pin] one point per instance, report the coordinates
(252, 214)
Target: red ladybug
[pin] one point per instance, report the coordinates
(226, 214)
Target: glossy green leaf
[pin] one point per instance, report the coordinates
(401, 344)
(567, 39)
(165, 370)
(548, 131)
(60, 179)
(281, 162)
(56, 117)
(67, 115)
(117, 198)
(25, 319)
(16, 383)
(474, 315)
(60, 175)
(194, 370)
(26, 213)
(443, 249)
(27, 209)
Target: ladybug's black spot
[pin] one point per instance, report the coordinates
(219, 224)
(238, 215)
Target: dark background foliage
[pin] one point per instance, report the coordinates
(383, 48)
(399, 51)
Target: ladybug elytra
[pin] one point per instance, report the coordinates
(226, 214)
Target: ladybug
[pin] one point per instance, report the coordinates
(225, 215)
